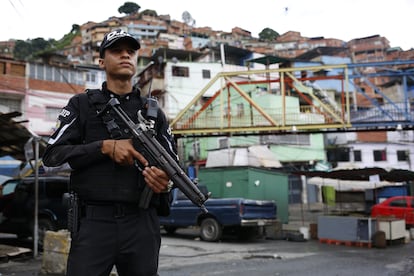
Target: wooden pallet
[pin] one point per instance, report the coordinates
(347, 243)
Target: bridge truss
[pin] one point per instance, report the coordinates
(328, 98)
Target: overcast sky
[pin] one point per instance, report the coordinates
(341, 19)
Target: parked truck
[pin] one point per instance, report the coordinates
(242, 217)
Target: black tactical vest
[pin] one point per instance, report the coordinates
(106, 180)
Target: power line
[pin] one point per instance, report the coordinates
(15, 9)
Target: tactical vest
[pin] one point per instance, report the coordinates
(106, 180)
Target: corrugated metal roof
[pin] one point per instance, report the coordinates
(267, 60)
(13, 136)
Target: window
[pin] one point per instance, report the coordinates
(402, 155)
(90, 77)
(224, 143)
(11, 104)
(357, 156)
(338, 154)
(288, 139)
(398, 203)
(180, 71)
(49, 73)
(9, 187)
(380, 155)
(206, 74)
(56, 188)
(40, 72)
(52, 113)
(56, 74)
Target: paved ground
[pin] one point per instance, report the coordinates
(19, 261)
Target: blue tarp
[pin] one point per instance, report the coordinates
(9, 166)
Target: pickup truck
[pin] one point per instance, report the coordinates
(244, 217)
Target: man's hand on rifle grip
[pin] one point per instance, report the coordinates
(124, 153)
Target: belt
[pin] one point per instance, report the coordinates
(115, 210)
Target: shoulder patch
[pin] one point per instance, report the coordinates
(66, 115)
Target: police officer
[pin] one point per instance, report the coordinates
(113, 229)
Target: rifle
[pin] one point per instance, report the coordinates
(156, 155)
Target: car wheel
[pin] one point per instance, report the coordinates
(170, 229)
(210, 230)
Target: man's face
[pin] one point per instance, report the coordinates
(120, 60)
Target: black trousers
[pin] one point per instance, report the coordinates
(129, 240)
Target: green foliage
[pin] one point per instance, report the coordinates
(31, 48)
(268, 34)
(129, 8)
(22, 50)
(149, 12)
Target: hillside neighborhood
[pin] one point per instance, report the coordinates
(178, 64)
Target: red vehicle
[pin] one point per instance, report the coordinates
(401, 207)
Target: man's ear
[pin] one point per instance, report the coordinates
(101, 63)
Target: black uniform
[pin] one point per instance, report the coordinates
(113, 230)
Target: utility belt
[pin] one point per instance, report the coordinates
(78, 209)
(100, 210)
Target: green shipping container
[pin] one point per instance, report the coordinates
(248, 182)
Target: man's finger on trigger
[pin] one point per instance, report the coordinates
(140, 158)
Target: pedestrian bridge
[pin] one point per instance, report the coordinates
(329, 98)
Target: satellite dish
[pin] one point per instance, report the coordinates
(188, 19)
(186, 16)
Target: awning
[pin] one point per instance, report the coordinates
(363, 174)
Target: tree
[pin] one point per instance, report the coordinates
(29, 49)
(22, 50)
(268, 34)
(75, 28)
(129, 8)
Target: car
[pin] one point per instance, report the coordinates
(17, 203)
(400, 207)
(3, 179)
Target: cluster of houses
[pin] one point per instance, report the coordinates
(177, 62)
